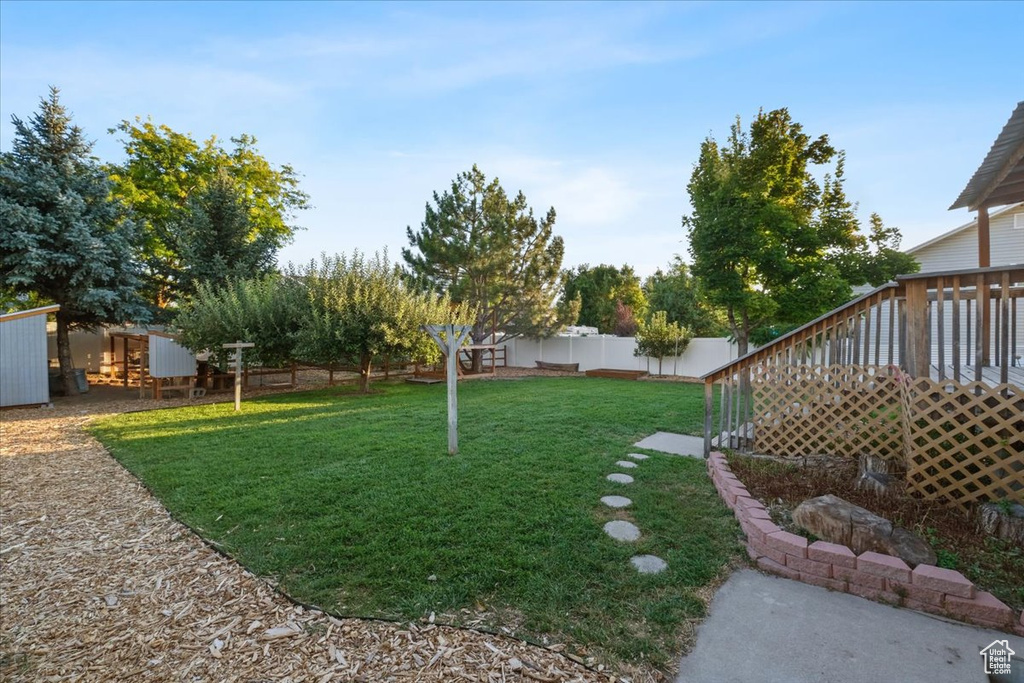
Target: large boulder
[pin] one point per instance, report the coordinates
(835, 520)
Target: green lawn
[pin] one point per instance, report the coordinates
(353, 504)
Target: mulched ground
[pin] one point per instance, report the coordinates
(996, 566)
(98, 583)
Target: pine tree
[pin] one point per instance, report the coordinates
(490, 252)
(216, 240)
(62, 238)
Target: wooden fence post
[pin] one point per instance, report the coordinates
(238, 346)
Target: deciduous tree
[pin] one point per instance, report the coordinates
(658, 338)
(164, 169)
(679, 294)
(267, 311)
(63, 238)
(363, 309)
(600, 289)
(772, 245)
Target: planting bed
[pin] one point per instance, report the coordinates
(762, 493)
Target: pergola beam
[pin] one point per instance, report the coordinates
(998, 181)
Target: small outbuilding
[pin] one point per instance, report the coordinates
(153, 357)
(24, 363)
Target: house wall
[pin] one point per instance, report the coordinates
(23, 361)
(960, 250)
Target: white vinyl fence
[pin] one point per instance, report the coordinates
(616, 353)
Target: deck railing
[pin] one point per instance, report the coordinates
(856, 380)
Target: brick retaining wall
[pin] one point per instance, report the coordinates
(871, 575)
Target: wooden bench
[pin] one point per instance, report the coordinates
(186, 385)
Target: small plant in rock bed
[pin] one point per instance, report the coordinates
(945, 558)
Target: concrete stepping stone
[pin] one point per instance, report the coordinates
(628, 464)
(638, 456)
(676, 444)
(620, 478)
(622, 531)
(649, 564)
(616, 501)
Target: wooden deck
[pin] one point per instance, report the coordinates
(990, 375)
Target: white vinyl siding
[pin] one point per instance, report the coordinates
(24, 366)
(960, 250)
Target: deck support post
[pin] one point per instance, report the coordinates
(708, 387)
(917, 346)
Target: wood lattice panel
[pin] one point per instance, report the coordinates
(837, 410)
(965, 442)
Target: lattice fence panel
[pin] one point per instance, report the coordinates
(965, 442)
(836, 410)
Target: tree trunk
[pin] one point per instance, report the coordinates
(742, 341)
(365, 364)
(740, 331)
(67, 366)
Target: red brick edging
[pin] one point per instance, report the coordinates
(870, 575)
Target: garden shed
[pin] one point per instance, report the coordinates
(151, 356)
(24, 364)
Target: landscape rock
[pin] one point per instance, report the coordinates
(627, 464)
(620, 478)
(1003, 521)
(875, 464)
(616, 501)
(835, 520)
(875, 482)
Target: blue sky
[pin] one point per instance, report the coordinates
(596, 109)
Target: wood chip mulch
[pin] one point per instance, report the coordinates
(99, 583)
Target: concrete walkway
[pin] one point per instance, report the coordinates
(767, 629)
(676, 444)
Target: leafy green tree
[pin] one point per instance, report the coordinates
(214, 239)
(600, 289)
(771, 244)
(63, 239)
(164, 169)
(364, 309)
(267, 311)
(492, 253)
(659, 338)
(679, 294)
